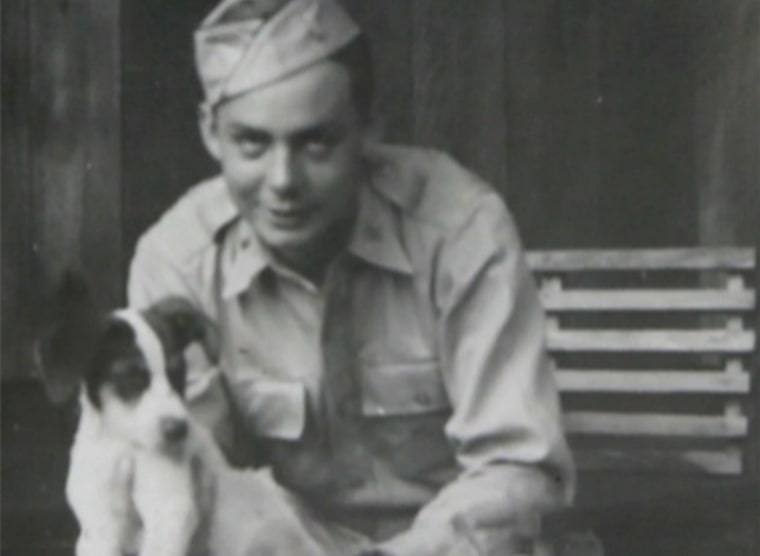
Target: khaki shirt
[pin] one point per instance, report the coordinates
(438, 395)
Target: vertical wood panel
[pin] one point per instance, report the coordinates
(754, 463)
(101, 239)
(388, 25)
(16, 207)
(458, 61)
(726, 118)
(645, 155)
(65, 184)
(530, 127)
(571, 172)
(162, 152)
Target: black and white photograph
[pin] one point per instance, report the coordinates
(380, 278)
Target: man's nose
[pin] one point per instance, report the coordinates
(283, 171)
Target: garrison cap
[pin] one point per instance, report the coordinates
(246, 44)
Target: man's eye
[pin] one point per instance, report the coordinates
(251, 147)
(319, 145)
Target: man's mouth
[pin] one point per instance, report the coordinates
(287, 216)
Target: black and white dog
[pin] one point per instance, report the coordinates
(129, 369)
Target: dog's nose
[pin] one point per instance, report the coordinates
(174, 429)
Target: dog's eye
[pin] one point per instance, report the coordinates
(130, 380)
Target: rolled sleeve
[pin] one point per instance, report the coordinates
(506, 426)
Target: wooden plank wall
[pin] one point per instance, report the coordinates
(61, 163)
(162, 154)
(594, 119)
(16, 207)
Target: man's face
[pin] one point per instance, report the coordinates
(291, 155)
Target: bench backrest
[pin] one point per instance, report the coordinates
(654, 352)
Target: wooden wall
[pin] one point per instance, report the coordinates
(61, 143)
(601, 123)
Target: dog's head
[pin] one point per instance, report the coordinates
(128, 364)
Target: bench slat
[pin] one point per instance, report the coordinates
(653, 381)
(640, 424)
(648, 300)
(680, 341)
(706, 258)
(727, 461)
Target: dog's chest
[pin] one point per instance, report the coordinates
(111, 481)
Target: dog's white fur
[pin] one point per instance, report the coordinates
(176, 494)
(163, 506)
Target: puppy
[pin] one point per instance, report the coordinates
(129, 369)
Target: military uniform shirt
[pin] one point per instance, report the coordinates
(414, 378)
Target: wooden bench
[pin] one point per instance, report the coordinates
(656, 359)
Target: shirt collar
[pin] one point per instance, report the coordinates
(243, 259)
(377, 234)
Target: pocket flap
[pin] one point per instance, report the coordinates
(402, 389)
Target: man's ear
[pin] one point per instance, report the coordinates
(64, 348)
(187, 325)
(208, 128)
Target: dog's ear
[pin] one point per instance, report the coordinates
(187, 325)
(64, 348)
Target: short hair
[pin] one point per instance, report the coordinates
(356, 57)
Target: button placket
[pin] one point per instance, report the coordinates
(341, 385)
(338, 343)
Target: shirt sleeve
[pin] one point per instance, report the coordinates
(505, 426)
(153, 275)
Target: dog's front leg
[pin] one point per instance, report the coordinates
(98, 491)
(98, 545)
(165, 500)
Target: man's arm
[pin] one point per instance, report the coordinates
(505, 427)
(153, 275)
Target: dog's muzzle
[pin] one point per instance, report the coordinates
(174, 429)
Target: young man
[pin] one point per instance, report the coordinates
(383, 343)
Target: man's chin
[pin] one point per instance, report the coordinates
(288, 244)
(277, 238)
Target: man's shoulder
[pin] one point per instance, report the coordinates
(430, 186)
(191, 224)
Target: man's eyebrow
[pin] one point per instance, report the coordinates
(319, 130)
(250, 132)
(326, 129)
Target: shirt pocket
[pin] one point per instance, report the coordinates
(271, 408)
(405, 408)
(402, 389)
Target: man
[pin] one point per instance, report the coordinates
(383, 344)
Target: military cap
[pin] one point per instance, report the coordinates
(246, 44)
